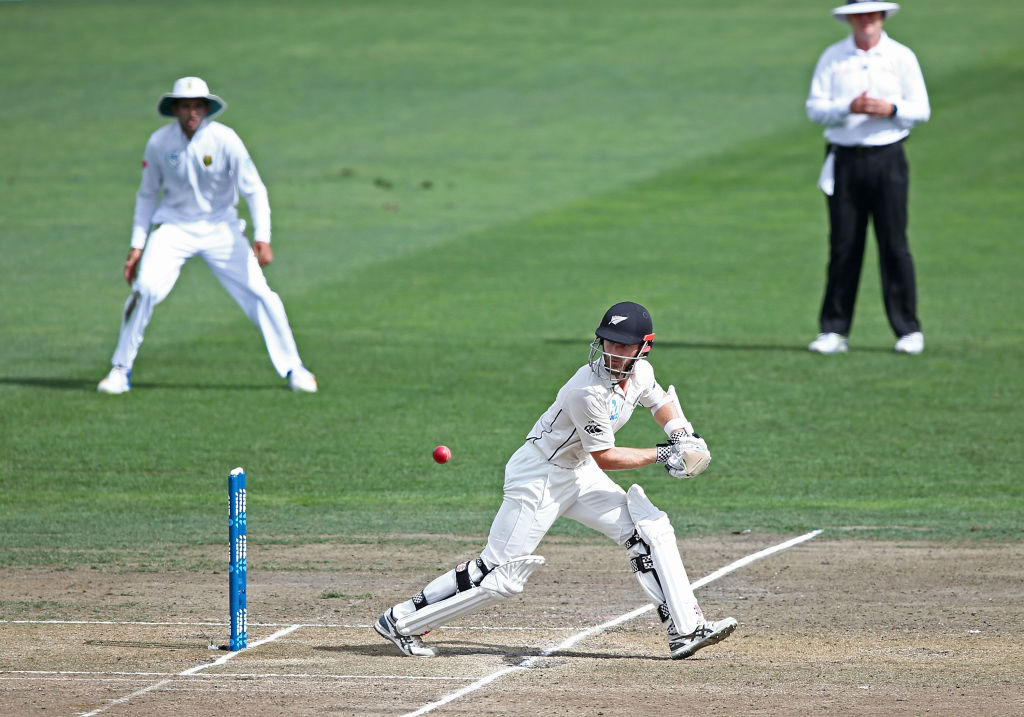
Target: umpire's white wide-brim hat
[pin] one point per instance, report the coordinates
(859, 7)
(189, 88)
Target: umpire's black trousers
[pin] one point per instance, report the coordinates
(870, 181)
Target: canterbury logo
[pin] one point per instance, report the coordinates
(592, 428)
(617, 320)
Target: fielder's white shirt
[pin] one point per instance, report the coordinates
(587, 413)
(201, 180)
(887, 71)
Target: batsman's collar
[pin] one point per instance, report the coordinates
(859, 7)
(189, 88)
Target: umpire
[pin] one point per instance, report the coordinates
(868, 92)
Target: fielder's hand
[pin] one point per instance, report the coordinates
(264, 254)
(131, 265)
(689, 457)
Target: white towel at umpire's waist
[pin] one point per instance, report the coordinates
(827, 178)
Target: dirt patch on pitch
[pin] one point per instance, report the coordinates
(847, 627)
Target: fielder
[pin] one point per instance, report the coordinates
(200, 167)
(560, 470)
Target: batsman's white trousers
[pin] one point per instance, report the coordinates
(537, 493)
(230, 257)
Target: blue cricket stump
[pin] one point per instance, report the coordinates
(237, 567)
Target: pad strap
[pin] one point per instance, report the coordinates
(462, 580)
(642, 564)
(634, 539)
(483, 568)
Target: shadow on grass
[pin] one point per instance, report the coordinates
(712, 346)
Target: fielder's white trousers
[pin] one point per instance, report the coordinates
(230, 257)
(537, 493)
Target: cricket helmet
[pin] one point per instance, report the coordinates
(190, 88)
(625, 323)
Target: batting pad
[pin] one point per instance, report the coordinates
(654, 527)
(503, 581)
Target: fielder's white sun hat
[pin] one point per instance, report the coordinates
(859, 7)
(187, 88)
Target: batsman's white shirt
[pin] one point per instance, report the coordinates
(201, 179)
(587, 413)
(553, 474)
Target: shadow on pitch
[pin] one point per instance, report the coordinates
(465, 648)
(74, 384)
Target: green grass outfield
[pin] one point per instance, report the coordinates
(459, 191)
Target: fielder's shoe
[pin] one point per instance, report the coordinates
(117, 381)
(707, 634)
(910, 344)
(300, 379)
(411, 645)
(829, 344)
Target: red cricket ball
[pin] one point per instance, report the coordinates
(442, 454)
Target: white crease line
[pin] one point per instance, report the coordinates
(190, 671)
(44, 678)
(56, 675)
(344, 626)
(529, 662)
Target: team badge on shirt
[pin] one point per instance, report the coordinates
(174, 159)
(207, 160)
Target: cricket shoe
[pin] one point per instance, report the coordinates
(910, 344)
(706, 634)
(300, 379)
(117, 381)
(411, 645)
(829, 343)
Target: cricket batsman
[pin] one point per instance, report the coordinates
(561, 471)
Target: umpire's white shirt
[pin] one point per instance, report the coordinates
(201, 180)
(887, 71)
(587, 413)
